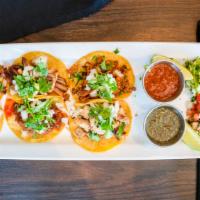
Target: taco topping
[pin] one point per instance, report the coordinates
(163, 125)
(31, 79)
(102, 85)
(101, 78)
(194, 67)
(193, 106)
(38, 116)
(100, 120)
(193, 114)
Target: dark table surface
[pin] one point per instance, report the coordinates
(130, 20)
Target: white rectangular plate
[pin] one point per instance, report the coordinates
(137, 145)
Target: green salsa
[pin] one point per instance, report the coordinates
(163, 125)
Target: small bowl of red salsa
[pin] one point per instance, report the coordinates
(163, 81)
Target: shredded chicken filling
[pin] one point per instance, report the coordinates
(103, 120)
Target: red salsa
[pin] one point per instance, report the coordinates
(162, 82)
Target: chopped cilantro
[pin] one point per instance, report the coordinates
(1, 87)
(78, 75)
(44, 85)
(120, 130)
(105, 66)
(105, 85)
(104, 120)
(94, 136)
(41, 68)
(28, 88)
(29, 83)
(99, 110)
(193, 99)
(25, 88)
(39, 118)
(103, 116)
(20, 108)
(116, 51)
(20, 79)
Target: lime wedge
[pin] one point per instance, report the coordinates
(191, 138)
(186, 73)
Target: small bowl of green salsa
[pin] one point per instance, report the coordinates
(164, 125)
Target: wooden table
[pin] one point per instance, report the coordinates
(130, 20)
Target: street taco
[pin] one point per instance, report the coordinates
(36, 120)
(101, 74)
(37, 73)
(100, 125)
